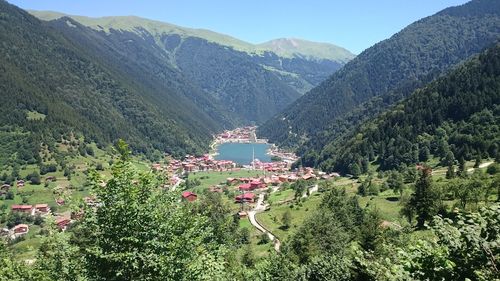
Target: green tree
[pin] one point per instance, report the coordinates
(425, 199)
(286, 219)
(395, 182)
(130, 236)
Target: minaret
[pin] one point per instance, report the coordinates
(253, 157)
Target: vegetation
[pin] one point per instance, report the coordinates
(384, 74)
(455, 117)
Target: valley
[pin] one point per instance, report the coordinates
(136, 149)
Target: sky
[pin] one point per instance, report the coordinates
(352, 24)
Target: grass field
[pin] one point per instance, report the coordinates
(272, 218)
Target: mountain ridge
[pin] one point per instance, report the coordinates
(326, 50)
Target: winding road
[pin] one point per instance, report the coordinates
(260, 207)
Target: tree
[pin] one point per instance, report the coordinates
(450, 173)
(129, 235)
(425, 199)
(244, 235)
(355, 170)
(286, 220)
(395, 182)
(248, 257)
(477, 161)
(34, 178)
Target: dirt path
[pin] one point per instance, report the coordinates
(484, 165)
(260, 207)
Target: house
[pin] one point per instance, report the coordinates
(5, 187)
(62, 223)
(50, 178)
(19, 230)
(189, 196)
(257, 184)
(60, 201)
(231, 181)
(245, 187)
(308, 177)
(42, 209)
(22, 208)
(20, 183)
(283, 178)
(242, 214)
(245, 198)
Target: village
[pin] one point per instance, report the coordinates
(247, 187)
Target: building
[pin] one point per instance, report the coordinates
(245, 187)
(42, 209)
(62, 223)
(20, 229)
(245, 198)
(22, 208)
(189, 196)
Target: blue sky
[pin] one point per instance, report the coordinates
(353, 24)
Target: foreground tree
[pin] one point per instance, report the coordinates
(425, 200)
(141, 232)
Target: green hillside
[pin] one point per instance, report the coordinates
(251, 82)
(454, 118)
(45, 74)
(394, 67)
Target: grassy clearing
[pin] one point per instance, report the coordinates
(272, 219)
(35, 115)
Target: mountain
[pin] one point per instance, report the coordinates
(454, 117)
(251, 81)
(293, 47)
(53, 88)
(384, 74)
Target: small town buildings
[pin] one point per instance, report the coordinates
(242, 214)
(62, 223)
(245, 198)
(189, 196)
(22, 208)
(245, 187)
(50, 178)
(60, 201)
(20, 183)
(20, 229)
(42, 209)
(257, 184)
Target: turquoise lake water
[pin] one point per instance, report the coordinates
(241, 153)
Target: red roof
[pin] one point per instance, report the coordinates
(20, 226)
(41, 206)
(186, 194)
(21, 207)
(245, 186)
(245, 196)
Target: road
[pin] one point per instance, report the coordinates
(260, 207)
(484, 165)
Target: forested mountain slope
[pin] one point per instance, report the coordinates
(454, 117)
(50, 89)
(390, 69)
(251, 81)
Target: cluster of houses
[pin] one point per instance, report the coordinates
(33, 210)
(6, 187)
(194, 164)
(242, 135)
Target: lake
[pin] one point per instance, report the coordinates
(241, 153)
